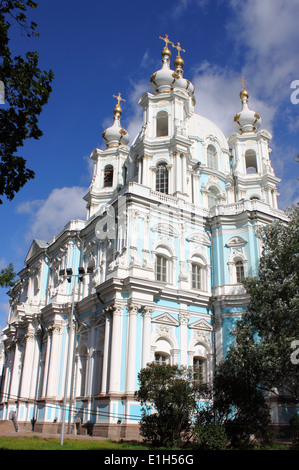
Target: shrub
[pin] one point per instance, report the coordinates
(210, 437)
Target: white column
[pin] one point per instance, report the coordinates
(184, 319)
(47, 361)
(16, 373)
(184, 173)
(28, 364)
(104, 386)
(131, 358)
(54, 364)
(146, 335)
(114, 383)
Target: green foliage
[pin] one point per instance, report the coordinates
(273, 310)
(27, 90)
(7, 276)
(210, 437)
(172, 394)
(260, 361)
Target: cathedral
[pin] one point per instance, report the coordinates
(155, 271)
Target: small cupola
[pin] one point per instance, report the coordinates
(247, 120)
(116, 135)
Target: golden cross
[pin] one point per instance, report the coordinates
(166, 40)
(243, 82)
(119, 98)
(179, 48)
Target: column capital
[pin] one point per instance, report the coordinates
(133, 308)
(147, 311)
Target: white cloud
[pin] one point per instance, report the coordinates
(267, 33)
(217, 97)
(135, 121)
(48, 217)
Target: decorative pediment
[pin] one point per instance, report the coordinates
(200, 238)
(236, 242)
(36, 246)
(201, 325)
(166, 230)
(165, 319)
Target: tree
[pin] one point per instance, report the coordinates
(260, 363)
(273, 310)
(27, 90)
(7, 276)
(169, 398)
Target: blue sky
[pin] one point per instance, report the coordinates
(97, 49)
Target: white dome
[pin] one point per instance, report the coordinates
(247, 120)
(202, 127)
(115, 135)
(163, 79)
(181, 82)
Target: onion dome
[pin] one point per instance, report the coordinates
(115, 135)
(247, 120)
(162, 80)
(181, 82)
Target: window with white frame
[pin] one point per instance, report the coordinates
(162, 124)
(196, 281)
(161, 268)
(162, 178)
(198, 272)
(212, 158)
(161, 358)
(163, 264)
(240, 272)
(199, 369)
(108, 176)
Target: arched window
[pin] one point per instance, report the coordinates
(161, 268)
(199, 272)
(163, 351)
(162, 178)
(239, 265)
(250, 161)
(164, 263)
(108, 176)
(212, 159)
(162, 124)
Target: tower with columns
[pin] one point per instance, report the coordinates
(154, 272)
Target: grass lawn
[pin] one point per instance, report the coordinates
(39, 443)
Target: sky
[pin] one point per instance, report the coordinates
(97, 49)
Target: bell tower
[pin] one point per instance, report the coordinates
(251, 166)
(162, 151)
(109, 170)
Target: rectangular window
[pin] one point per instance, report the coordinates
(196, 276)
(162, 179)
(161, 266)
(239, 271)
(197, 369)
(108, 176)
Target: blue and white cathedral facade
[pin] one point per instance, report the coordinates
(153, 273)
